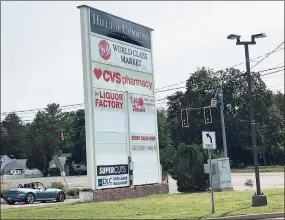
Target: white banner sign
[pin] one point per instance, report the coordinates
(112, 176)
(113, 181)
(112, 52)
(107, 99)
(115, 78)
(141, 104)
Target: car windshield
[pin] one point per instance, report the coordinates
(33, 185)
(39, 185)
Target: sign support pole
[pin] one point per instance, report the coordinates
(211, 182)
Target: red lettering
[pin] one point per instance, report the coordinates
(112, 76)
(135, 137)
(108, 104)
(106, 75)
(148, 138)
(118, 78)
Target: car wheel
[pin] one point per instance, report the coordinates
(60, 197)
(11, 202)
(30, 198)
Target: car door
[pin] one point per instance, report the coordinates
(42, 192)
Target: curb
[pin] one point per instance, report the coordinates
(72, 197)
(252, 217)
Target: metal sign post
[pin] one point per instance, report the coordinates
(1, 172)
(60, 167)
(211, 182)
(209, 143)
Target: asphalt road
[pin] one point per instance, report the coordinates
(268, 181)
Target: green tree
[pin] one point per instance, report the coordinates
(43, 138)
(165, 143)
(12, 136)
(78, 146)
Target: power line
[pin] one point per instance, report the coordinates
(166, 90)
(271, 69)
(277, 71)
(267, 55)
(170, 85)
(32, 110)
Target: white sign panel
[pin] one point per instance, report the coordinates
(112, 176)
(115, 78)
(209, 140)
(107, 99)
(143, 143)
(118, 54)
(141, 104)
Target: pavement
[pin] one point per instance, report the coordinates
(268, 181)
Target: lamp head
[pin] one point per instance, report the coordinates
(261, 35)
(233, 37)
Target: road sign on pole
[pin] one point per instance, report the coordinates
(214, 102)
(209, 143)
(209, 140)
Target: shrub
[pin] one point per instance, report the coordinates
(73, 192)
(86, 190)
(1, 192)
(188, 168)
(57, 185)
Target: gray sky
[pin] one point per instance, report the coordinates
(41, 58)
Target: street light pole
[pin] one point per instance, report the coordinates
(259, 199)
(252, 121)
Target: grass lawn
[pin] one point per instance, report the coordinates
(261, 169)
(196, 205)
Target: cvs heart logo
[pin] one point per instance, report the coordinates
(113, 77)
(97, 73)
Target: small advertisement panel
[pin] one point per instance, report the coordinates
(116, 78)
(107, 99)
(114, 53)
(112, 176)
(141, 104)
(143, 143)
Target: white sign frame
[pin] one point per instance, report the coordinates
(209, 140)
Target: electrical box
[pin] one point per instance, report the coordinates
(207, 168)
(221, 173)
(132, 165)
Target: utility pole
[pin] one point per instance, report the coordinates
(223, 124)
(214, 104)
(259, 199)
